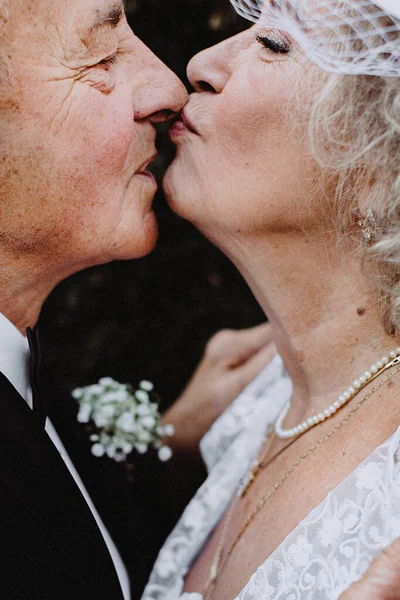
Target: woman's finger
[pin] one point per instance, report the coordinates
(253, 367)
(382, 580)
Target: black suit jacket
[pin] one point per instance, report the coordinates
(50, 545)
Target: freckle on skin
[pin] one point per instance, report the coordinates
(361, 311)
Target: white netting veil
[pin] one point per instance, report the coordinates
(357, 37)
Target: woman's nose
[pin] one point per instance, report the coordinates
(207, 72)
(211, 69)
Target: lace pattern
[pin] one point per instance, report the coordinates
(330, 549)
(335, 544)
(272, 382)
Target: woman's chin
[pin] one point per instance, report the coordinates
(180, 193)
(174, 194)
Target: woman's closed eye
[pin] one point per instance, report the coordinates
(274, 43)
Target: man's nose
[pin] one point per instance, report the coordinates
(163, 95)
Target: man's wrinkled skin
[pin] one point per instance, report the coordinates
(76, 127)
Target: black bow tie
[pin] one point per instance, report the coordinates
(41, 399)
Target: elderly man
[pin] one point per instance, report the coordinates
(79, 97)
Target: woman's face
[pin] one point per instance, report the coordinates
(243, 164)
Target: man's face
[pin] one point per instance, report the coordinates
(76, 133)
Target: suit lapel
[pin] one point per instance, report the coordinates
(34, 472)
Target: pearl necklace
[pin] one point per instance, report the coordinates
(358, 384)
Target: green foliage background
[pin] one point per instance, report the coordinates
(148, 318)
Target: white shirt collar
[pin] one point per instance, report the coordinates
(14, 356)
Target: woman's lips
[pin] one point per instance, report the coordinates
(188, 122)
(181, 126)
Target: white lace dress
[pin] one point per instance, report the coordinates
(330, 549)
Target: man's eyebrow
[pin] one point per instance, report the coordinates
(110, 15)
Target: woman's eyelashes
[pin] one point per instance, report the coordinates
(274, 44)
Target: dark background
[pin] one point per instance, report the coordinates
(148, 318)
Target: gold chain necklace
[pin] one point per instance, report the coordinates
(216, 567)
(376, 370)
(259, 464)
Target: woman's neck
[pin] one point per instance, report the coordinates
(325, 314)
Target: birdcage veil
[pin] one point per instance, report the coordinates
(357, 37)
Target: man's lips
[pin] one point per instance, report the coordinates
(143, 168)
(146, 175)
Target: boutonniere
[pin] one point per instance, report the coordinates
(125, 419)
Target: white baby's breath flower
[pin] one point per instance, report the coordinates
(103, 415)
(119, 456)
(147, 386)
(98, 450)
(126, 419)
(94, 390)
(168, 430)
(106, 412)
(104, 438)
(127, 447)
(164, 453)
(141, 448)
(144, 436)
(108, 397)
(126, 422)
(85, 412)
(144, 410)
(142, 396)
(121, 395)
(107, 382)
(149, 422)
(100, 421)
(111, 450)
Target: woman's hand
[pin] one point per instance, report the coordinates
(232, 359)
(382, 580)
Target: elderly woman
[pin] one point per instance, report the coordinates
(288, 159)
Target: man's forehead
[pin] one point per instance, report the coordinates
(69, 29)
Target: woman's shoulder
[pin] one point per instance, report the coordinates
(335, 544)
(267, 392)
